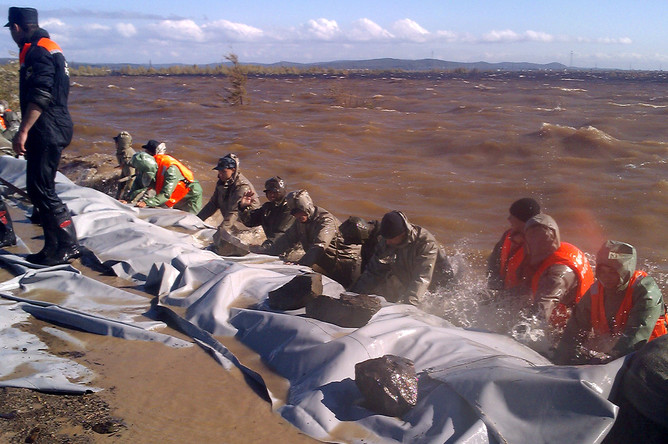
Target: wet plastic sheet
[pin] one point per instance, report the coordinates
(473, 387)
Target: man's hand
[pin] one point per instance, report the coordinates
(141, 204)
(19, 142)
(33, 112)
(247, 199)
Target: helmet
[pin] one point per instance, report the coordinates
(355, 230)
(275, 184)
(146, 167)
(300, 201)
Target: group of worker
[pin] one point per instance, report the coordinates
(596, 316)
(393, 257)
(401, 261)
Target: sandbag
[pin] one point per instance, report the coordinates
(350, 310)
(388, 384)
(297, 293)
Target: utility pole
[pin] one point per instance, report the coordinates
(571, 65)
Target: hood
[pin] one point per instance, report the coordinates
(300, 200)
(620, 256)
(145, 165)
(411, 230)
(540, 247)
(237, 170)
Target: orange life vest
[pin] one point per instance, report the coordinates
(510, 262)
(45, 43)
(573, 258)
(165, 161)
(599, 322)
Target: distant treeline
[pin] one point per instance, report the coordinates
(314, 71)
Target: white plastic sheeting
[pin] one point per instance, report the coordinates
(473, 386)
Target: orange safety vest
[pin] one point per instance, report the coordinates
(572, 257)
(165, 161)
(510, 263)
(599, 322)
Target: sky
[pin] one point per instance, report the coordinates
(628, 34)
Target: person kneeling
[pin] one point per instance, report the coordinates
(622, 310)
(317, 230)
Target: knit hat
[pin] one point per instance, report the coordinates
(524, 209)
(392, 225)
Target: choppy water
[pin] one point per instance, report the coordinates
(452, 154)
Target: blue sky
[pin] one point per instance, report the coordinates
(604, 34)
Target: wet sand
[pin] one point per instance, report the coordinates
(157, 393)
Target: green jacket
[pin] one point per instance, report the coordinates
(408, 268)
(226, 198)
(191, 202)
(275, 218)
(647, 306)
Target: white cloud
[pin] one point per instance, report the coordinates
(52, 23)
(501, 36)
(96, 27)
(410, 30)
(365, 30)
(322, 29)
(235, 31)
(612, 41)
(183, 30)
(536, 36)
(126, 29)
(448, 36)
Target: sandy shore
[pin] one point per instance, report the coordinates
(151, 392)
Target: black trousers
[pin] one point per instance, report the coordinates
(43, 158)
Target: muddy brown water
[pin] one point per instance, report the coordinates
(452, 154)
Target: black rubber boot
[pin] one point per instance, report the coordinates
(68, 245)
(7, 236)
(50, 244)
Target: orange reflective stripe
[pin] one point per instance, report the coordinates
(45, 43)
(49, 45)
(24, 51)
(573, 258)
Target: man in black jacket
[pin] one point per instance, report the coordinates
(46, 129)
(274, 215)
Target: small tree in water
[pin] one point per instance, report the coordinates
(236, 93)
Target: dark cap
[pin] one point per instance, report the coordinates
(21, 16)
(524, 209)
(274, 184)
(226, 162)
(151, 147)
(392, 225)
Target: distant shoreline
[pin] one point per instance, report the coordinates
(460, 73)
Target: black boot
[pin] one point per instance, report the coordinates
(68, 245)
(66, 248)
(7, 236)
(50, 244)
